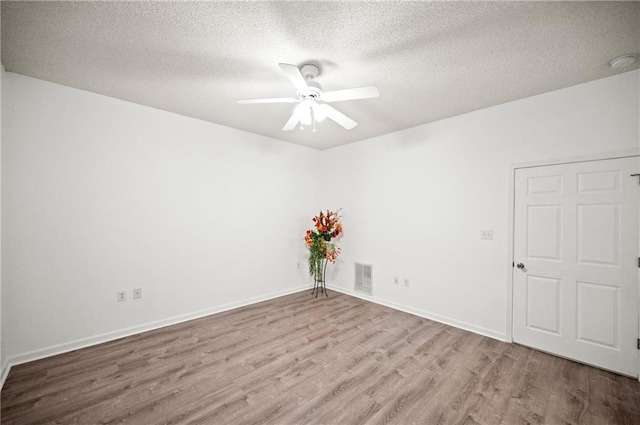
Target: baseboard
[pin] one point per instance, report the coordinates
(421, 313)
(4, 369)
(110, 336)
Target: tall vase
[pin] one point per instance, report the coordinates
(320, 270)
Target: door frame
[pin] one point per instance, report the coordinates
(511, 219)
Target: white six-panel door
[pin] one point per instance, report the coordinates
(575, 283)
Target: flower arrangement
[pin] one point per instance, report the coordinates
(327, 226)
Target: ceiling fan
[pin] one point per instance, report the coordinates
(312, 102)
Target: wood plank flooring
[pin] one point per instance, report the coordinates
(304, 360)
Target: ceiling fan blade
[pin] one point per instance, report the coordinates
(268, 100)
(338, 116)
(293, 74)
(292, 122)
(350, 94)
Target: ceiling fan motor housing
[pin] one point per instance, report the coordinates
(314, 92)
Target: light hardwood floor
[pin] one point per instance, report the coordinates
(302, 360)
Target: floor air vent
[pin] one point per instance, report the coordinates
(364, 282)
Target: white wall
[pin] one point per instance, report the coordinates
(416, 200)
(101, 195)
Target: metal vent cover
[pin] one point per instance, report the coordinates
(364, 280)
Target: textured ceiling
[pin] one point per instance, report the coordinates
(430, 60)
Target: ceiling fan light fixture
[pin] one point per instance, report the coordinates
(306, 118)
(319, 113)
(303, 113)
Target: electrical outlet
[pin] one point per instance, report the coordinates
(122, 296)
(395, 280)
(406, 283)
(137, 293)
(486, 234)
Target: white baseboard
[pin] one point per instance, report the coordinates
(421, 313)
(4, 369)
(110, 336)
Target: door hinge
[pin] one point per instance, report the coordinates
(638, 343)
(639, 262)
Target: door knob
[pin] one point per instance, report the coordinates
(520, 266)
